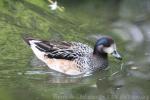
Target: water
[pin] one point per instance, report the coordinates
(23, 77)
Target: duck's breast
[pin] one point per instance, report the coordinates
(64, 66)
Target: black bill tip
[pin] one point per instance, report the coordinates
(117, 55)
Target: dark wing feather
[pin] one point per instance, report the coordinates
(58, 50)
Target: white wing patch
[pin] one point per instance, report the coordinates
(36, 51)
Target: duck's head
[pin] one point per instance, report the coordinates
(106, 45)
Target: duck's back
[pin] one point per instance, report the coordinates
(64, 50)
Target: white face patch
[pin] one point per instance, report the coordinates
(110, 49)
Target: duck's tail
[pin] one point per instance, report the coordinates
(27, 39)
(33, 43)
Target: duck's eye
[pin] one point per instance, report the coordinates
(107, 45)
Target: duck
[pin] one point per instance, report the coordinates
(74, 58)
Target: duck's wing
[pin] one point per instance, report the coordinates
(63, 50)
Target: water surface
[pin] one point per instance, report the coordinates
(22, 77)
